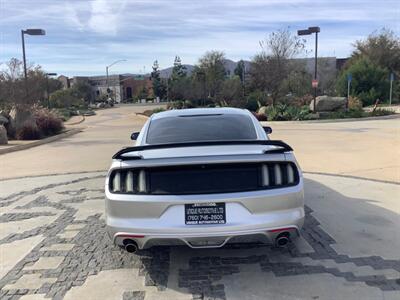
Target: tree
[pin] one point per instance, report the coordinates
(382, 48)
(83, 90)
(159, 88)
(65, 99)
(178, 82)
(20, 93)
(240, 70)
(272, 66)
(369, 81)
(178, 70)
(212, 65)
(298, 81)
(143, 93)
(231, 92)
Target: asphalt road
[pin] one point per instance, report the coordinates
(53, 244)
(366, 149)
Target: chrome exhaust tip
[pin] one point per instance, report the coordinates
(130, 246)
(282, 240)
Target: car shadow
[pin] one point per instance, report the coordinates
(337, 227)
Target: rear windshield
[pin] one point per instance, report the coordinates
(198, 128)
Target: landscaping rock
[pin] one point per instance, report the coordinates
(3, 119)
(8, 122)
(263, 110)
(3, 136)
(327, 103)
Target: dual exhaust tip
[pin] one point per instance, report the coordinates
(281, 241)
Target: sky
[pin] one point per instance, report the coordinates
(83, 37)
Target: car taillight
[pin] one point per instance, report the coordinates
(290, 174)
(142, 181)
(129, 182)
(116, 183)
(265, 175)
(279, 174)
(124, 181)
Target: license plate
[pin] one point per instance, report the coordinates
(205, 213)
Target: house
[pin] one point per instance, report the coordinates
(117, 87)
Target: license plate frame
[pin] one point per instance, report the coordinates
(212, 213)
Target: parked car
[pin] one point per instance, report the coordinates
(203, 178)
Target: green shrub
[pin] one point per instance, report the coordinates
(158, 109)
(150, 112)
(175, 105)
(355, 103)
(369, 82)
(351, 113)
(283, 112)
(252, 105)
(179, 104)
(381, 112)
(257, 96)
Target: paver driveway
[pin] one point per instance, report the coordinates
(53, 244)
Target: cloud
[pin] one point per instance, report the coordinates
(86, 35)
(98, 16)
(105, 16)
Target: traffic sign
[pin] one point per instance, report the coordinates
(314, 83)
(349, 77)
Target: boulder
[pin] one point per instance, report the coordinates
(327, 103)
(3, 119)
(8, 122)
(263, 110)
(3, 136)
(22, 116)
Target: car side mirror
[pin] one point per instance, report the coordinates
(267, 129)
(134, 136)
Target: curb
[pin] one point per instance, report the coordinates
(41, 142)
(75, 123)
(142, 115)
(389, 117)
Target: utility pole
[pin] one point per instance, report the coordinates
(391, 88)
(349, 78)
(315, 67)
(244, 80)
(28, 32)
(47, 87)
(309, 31)
(107, 67)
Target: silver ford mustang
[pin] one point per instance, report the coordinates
(204, 178)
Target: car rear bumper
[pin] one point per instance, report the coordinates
(159, 220)
(207, 238)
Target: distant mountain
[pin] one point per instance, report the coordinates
(166, 73)
(328, 64)
(229, 65)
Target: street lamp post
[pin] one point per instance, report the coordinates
(107, 67)
(47, 87)
(28, 32)
(309, 31)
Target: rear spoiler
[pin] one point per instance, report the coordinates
(283, 147)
